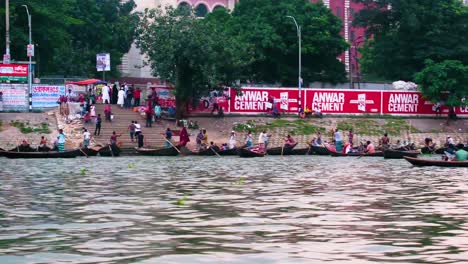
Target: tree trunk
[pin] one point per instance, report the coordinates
(183, 90)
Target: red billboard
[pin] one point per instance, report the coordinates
(252, 100)
(343, 101)
(13, 72)
(406, 103)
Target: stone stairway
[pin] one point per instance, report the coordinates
(120, 123)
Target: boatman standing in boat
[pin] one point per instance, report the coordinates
(86, 138)
(232, 140)
(385, 141)
(61, 141)
(249, 139)
(261, 140)
(338, 141)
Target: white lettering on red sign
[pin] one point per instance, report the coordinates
(328, 101)
(464, 109)
(251, 101)
(407, 103)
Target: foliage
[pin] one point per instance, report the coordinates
(24, 128)
(410, 32)
(361, 126)
(446, 81)
(263, 24)
(69, 33)
(295, 127)
(197, 55)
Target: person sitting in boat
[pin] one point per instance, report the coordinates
(213, 146)
(224, 146)
(232, 140)
(317, 141)
(289, 142)
(461, 155)
(43, 145)
(449, 153)
(370, 148)
(113, 138)
(199, 140)
(429, 144)
(168, 138)
(249, 140)
(385, 141)
(347, 148)
(204, 140)
(361, 148)
(449, 140)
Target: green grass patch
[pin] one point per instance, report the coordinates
(398, 126)
(295, 127)
(392, 126)
(24, 128)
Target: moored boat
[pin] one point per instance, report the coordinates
(399, 154)
(109, 151)
(207, 152)
(286, 150)
(158, 152)
(229, 152)
(92, 151)
(357, 154)
(41, 155)
(251, 153)
(301, 151)
(318, 150)
(440, 163)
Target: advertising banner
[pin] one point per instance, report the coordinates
(46, 96)
(103, 62)
(13, 72)
(207, 104)
(14, 97)
(343, 101)
(406, 103)
(252, 100)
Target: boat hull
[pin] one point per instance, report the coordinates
(42, 155)
(158, 152)
(281, 150)
(397, 154)
(246, 153)
(316, 150)
(439, 163)
(375, 154)
(106, 151)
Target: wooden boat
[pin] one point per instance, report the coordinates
(250, 153)
(109, 151)
(317, 150)
(41, 155)
(301, 151)
(23, 149)
(93, 151)
(286, 150)
(440, 150)
(229, 152)
(440, 163)
(357, 154)
(427, 150)
(158, 152)
(207, 152)
(399, 154)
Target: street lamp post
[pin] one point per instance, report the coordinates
(300, 57)
(30, 52)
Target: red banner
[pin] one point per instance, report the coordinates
(13, 70)
(263, 100)
(343, 101)
(406, 103)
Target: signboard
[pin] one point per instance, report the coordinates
(103, 62)
(6, 58)
(30, 50)
(13, 72)
(343, 101)
(260, 100)
(206, 103)
(14, 97)
(46, 96)
(406, 103)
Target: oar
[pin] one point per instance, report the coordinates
(282, 150)
(214, 151)
(84, 153)
(171, 144)
(110, 148)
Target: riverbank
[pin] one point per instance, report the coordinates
(365, 128)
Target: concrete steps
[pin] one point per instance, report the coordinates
(122, 119)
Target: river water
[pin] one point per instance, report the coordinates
(304, 209)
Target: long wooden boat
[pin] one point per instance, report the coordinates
(301, 151)
(207, 152)
(440, 150)
(440, 163)
(399, 154)
(317, 150)
(158, 152)
(42, 155)
(229, 152)
(286, 150)
(427, 150)
(357, 154)
(110, 151)
(250, 153)
(93, 151)
(23, 149)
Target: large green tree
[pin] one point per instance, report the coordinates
(407, 32)
(69, 33)
(265, 25)
(197, 55)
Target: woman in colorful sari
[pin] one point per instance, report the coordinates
(183, 137)
(61, 141)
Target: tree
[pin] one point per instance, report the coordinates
(407, 32)
(196, 54)
(69, 33)
(264, 25)
(445, 81)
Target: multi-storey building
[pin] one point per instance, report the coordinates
(345, 9)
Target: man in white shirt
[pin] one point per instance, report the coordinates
(86, 138)
(105, 94)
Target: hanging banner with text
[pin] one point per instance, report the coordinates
(251, 100)
(14, 97)
(13, 72)
(46, 96)
(343, 101)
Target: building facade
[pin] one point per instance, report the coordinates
(132, 64)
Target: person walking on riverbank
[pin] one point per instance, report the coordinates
(61, 141)
(105, 94)
(113, 138)
(97, 130)
(108, 112)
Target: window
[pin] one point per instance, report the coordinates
(218, 7)
(183, 6)
(201, 10)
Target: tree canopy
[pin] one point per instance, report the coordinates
(69, 33)
(263, 24)
(196, 54)
(407, 32)
(446, 81)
